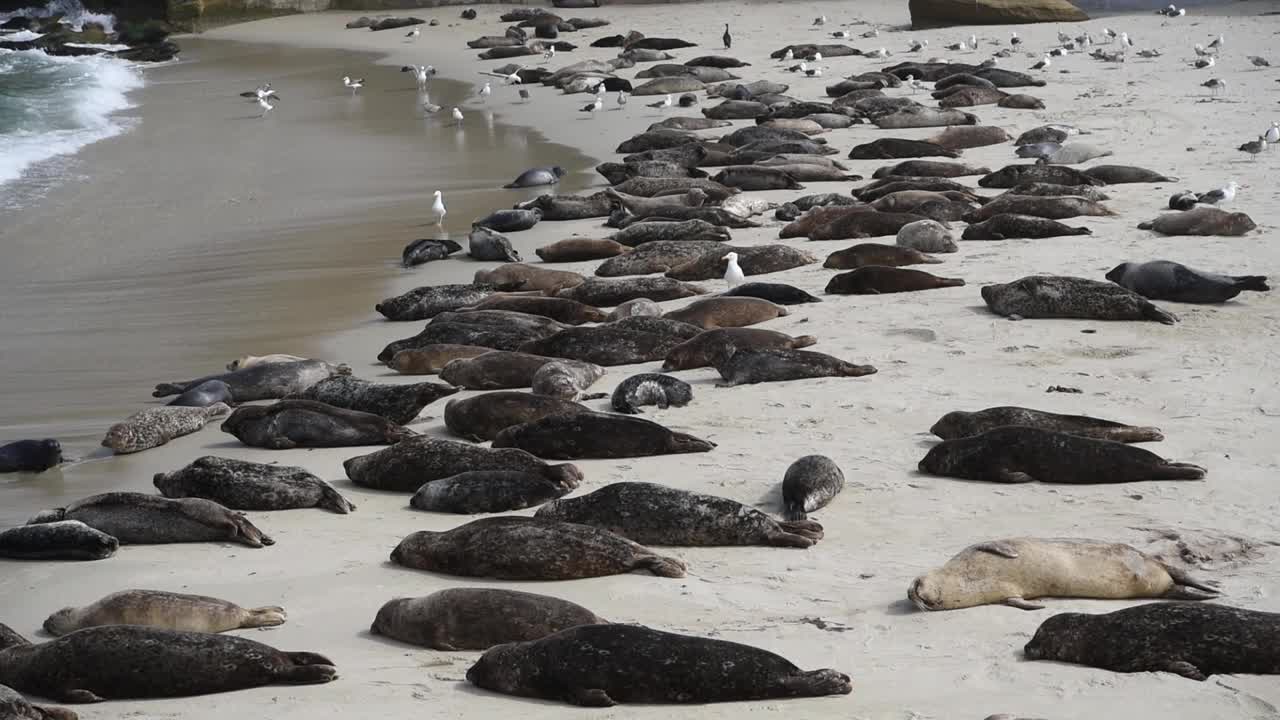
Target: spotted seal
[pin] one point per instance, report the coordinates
(877, 280)
(710, 348)
(1050, 207)
(809, 484)
(603, 345)
(776, 293)
(486, 244)
(1201, 221)
(494, 370)
(1005, 226)
(666, 327)
(424, 303)
(1014, 454)
(1012, 175)
(30, 455)
(525, 548)
(160, 609)
(242, 485)
(481, 417)
(488, 491)
(579, 249)
(645, 232)
(156, 426)
(640, 307)
(425, 250)
(565, 379)
(1165, 280)
(288, 424)
(568, 312)
(650, 389)
(960, 424)
(248, 361)
(405, 466)
(929, 168)
(525, 277)
(59, 540)
(857, 225)
(608, 293)
(534, 177)
(1055, 296)
(1089, 192)
(477, 618)
(750, 366)
(1117, 174)
(138, 519)
(398, 403)
(926, 236)
(753, 260)
(431, 359)
(865, 254)
(591, 434)
(495, 337)
(264, 381)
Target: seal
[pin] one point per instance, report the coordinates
(1117, 174)
(499, 319)
(645, 232)
(865, 254)
(33, 456)
(565, 379)
(494, 370)
(509, 220)
(425, 303)
(486, 244)
(1039, 188)
(534, 177)
(1056, 296)
(579, 249)
(568, 207)
(895, 148)
(877, 189)
(713, 346)
(877, 279)
(929, 168)
(487, 491)
(477, 618)
(589, 434)
(964, 137)
(431, 359)
(289, 424)
(640, 307)
(16, 707)
(665, 327)
(241, 485)
(493, 336)
(926, 236)
(857, 225)
(1051, 207)
(608, 293)
(603, 665)
(405, 466)
(603, 345)
(62, 540)
(749, 366)
(139, 519)
(651, 187)
(905, 200)
(482, 417)
(756, 177)
(959, 424)
(818, 215)
(398, 403)
(264, 381)
(650, 389)
(1014, 454)
(156, 426)
(810, 483)
(1021, 101)
(120, 662)
(1165, 280)
(1017, 570)
(561, 310)
(727, 312)
(205, 394)
(159, 609)
(1005, 226)
(1011, 175)
(525, 277)
(525, 548)
(249, 361)
(1189, 639)
(423, 251)
(969, 96)
(661, 256)
(1201, 221)
(776, 293)
(753, 260)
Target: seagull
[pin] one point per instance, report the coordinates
(595, 106)
(1259, 61)
(788, 56)
(1125, 39)
(918, 45)
(814, 72)
(817, 57)
(1226, 193)
(915, 84)
(881, 53)
(430, 107)
(958, 46)
(437, 208)
(421, 73)
(355, 85)
(524, 94)
(262, 91)
(1063, 37)
(413, 34)
(871, 33)
(485, 92)
(662, 104)
(1218, 43)
(265, 105)
(820, 20)
(1204, 63)
(1215, 85)
(600, 89)
(1042, 64)
(1273, 133)
(1014, 39)
(728, 39)
(621, 99)
(457, 116)
(1084, 40)
(1201, 51)
(1111, 34)
(973, 42)
(733, 273)
(549, 54)
(842, 35)
(1253, 147)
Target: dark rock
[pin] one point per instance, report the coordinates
(469, 14)
(20, 22)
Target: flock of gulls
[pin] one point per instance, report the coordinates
(534, 339)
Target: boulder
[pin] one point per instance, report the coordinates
(945, 13)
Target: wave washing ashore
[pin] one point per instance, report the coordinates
(786, 397)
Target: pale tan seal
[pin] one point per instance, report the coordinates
(528, 277)
(431, 359)
(156, 608)
(248, 361)
(727, 312)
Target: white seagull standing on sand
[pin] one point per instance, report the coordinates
(1125, 39)
(549, 54)
(662, 104)
(485, 92)
(262, 91)
(733, 273)
(1014, 39)
(622, 99)
(457, 117)
(1217, 44)
(595, 106)
(437, 208)
(973, 42)
(1273, 134)
(355, 85)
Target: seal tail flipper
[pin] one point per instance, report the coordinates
(794, 512)
(818, 682)
(1256, 283)
(929, 259)
(951, 282)
(594, 396)
(804, 341)
(55, 713)
(78, 695)
(312, 674)
(589, 697)
(1182, 592)
(167, 389)
(1082, 230)
(804, 528)
(1186, 581)
(662, 566)
(1022, 604)
(1151, 312)
(1131, 434)
(1179, 471)
(333, 500)
(264, 617)
(787, 539)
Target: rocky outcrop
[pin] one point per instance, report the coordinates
(945, 13)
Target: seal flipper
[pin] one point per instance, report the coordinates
(589, 697)
(816, 683)
(794, 511)
(1151, 312)
(333, 500)
(48, 516)
(997, 547)
(1256, 283)
(787, 539)
(807, 528)
(1012, 476)
(1179, 471)
(78, 695)
(1185, 669)
(1022, 604)
(1186, 582)
(661, 566)
(594, 396)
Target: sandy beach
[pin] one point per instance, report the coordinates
(236, 195)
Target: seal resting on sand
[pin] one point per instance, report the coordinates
(405, 466)
(30, 455)
(483, 416)
(876, 280)
(477, 618)
(489, 491)
(1201, 221)
(1053, 296)
(289, 424)
(650, 389)
(749, 366)
(727, 312)
(958, 424)
(398, 403)
(156, 426)
(865, 254)
(263, 381)
(810, 483)
(709, 348)
(241, 485)
(1014, 571)
(1164, 280)
(597, 435)
(64, 540)
(138, 519)
(156, 608)
(15, 707)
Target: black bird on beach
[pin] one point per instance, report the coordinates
(728, 39)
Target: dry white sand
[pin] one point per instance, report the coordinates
(1208, 382)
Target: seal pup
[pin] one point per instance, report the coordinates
(15, 707)
(160, 609)
(534, 177)
(709, 348)
(1014, 571)
(248, 361)
(1005, 226)
(877, 279)
(288, 424)
(477, 618)
(751, 366)
(156, 426)
(1201, 221)
(486, 244)
(959, 424)
(865, 254)
(398, 403)
(483, 416)
(242, 485)
(776, 293)
(205, 394)
(565, 379)
(650, 389)
(431, 359)
(139, 519)
(603, 665)
(30, 455)
(489, 491)
(1015, 454)
(1055, 296)
(597, 435)
(62, 540)
(264, 381)
(525, 548)
(727, 312)
(121, 662)
(653, 514)
(405, 466)
(603, 345)
(809, 484)
(1194, 640)
(1165, 280)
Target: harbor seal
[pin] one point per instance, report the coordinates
(482, 417)
(568, 207)
(425, 250)
(865, 254)
(894, 148)
(653, 514)
(756, 177)
(487, 491)
(509, 220)
(568, 312)
(1006, 226)
(926, 236)
(1021, 101)
(964, 137)
(603, 345)
(525, 548)
(431, 359)
(608, 293)
(494, 370)
(877, 280)
(1017, 570)
(525, 277)
(32, 456)
(139, 519)
(495, 337)
(61, 540)
(1011, 175)
(650, 389)
(640, 233)
(959, 424)
(565, 379)
(809, 484)
(1050, 207)
(263, 381)
(159, 609)
(405, 466)
(156, 426)
(1014, 454)
(923, 117)
(1056, 296)
(398, 403)
(486, 244)
(534, 177)
(1117, 174)
(929, 168)
(589, 434)
(477, 618)
(242, 485)
(580, 249)
(120, 662)
(709, 348)
(288, 424)
(424, 303)
(1089, 192)
(15, 707)
(205, 394)
(750, 366)
(1193, 640)
(866, 224)
(661, 256)
(727, 312)
(1201, 221)
(753, 260)
(1165, 280)
(248, 361)
(776, 293)
(640, 307)
(603, 665)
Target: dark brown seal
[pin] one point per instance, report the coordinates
(396, 402)
(1117, 174)
(747, 367)
(477, 618)
(579, 249)
(608, 293)
(489, 491)
(857, 225)
(430, 359)
(1014, 454)
(482, 417)
(569, 312)
(1011, 175)
(288, 424)
(959, 424)
(64, 540)
(711, 347)
(1201, 221)
(1006, 226)
(241, 485)
(603, 345)
(138, 519)
(865, 254)
(894, 148)
(597, 435)
(1051, 207)
(405, 466)
(496, 370)
(879, 279)
(1053, 296)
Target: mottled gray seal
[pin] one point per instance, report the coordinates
(118, 662)
(640, 307)
(30, 455)
(1042, 188)
(650, 187)
(160, 609)
(1011, 175)
(1193, 640)
(661, 256)
(926, 236)
(579, 249)
(776, 293)
(710, 348)
(525, 277)
(663, 326)
(424, 303)
(929, 168)
(809, 484)
(242, 485)
(644, 232)
(568, 207)
(398, 403)
(61, 540)
(264, 381)
(205, 394)
(500, 319)
(1201, 221)
(494, 370)
(736, 110)
(963, 137)
(525, 548)
(590, 434)
(1014, 454)
(156, 426)
(1165, 280)
(894, 148)
(488, 491)
(534, 177)
(288, 424)
(608, 293)
(138, 519)
(819, 215)
(569, 312)
(750, 366)
(509, 220)
(431, 359)
(923, 117)
(486, 244)
(1116, 174)
(878, 279)
(865, 254)
(868, 223)
(958, 424)
(653, 514)
(1051, 207)
(496, 337)
(477, 618)
(603, 345)
(752, 260)
(756, 177)
(405, 466)
(248, 361)
(1055, 296)
(603, 665)
(650, 389)
(1014, 571)
(482, 417)
(424, 251)
(1005, 226)
(15, 707)
(565, 379)
(727, 312)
